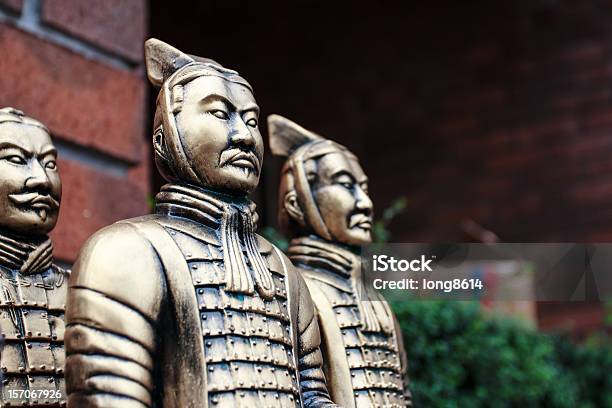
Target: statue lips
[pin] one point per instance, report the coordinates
(240, 158)
(40, 203)
(361, 220)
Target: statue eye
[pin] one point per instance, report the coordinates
(16, 159)
(346, 184)
(345, 181)
(252, 123)
(51, 165)
(218, 113)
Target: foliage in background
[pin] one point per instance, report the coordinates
(460, 357)
(151, 202)
(275, 237)
(380, 229)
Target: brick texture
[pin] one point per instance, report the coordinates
(12, 5)
(117, 26)
(93, 199)
(82, 101)
(582, 318)
(93, 102)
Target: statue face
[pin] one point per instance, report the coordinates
(218, 124)
(341, 193)
(30, 186)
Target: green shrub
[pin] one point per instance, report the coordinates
(589, 368)
(460, 358)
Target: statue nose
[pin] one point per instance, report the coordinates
(364, 203)
(242, 135)
(242, 138)
(39, 179)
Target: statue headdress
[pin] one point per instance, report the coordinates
(169, 69)
(299, 145)
(13, 115)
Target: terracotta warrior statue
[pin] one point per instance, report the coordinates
(33, 288)
(324, 205)
(189, 307)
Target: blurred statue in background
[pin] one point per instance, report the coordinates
(33, 289)
(324, 205)
(189, 307)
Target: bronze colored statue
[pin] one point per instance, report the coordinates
(33, 289)
(324, 204)
(189, 307)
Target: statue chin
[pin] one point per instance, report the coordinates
(234, 180)
(357, 238)
(29, 222)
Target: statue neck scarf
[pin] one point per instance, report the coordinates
(245, 268)
(332, 258)
(26, 256)
(319, 254)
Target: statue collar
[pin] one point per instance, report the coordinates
(198, 204)
(232, 219)
(339, 266)
(316, 253)
(26, 256)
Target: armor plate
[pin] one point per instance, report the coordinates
(32, 321)
(247, 340)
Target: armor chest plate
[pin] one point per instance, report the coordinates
(247, 340)
(32, 322)
(373, 357)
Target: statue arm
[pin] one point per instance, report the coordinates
(114, 301)
(312, 379)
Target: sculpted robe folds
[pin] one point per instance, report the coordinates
(151, 324)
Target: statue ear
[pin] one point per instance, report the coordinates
(286, 136)
(292, 206)
(162, 60)
(159, 144)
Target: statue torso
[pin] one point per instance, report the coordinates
(248, 341)
(370, 343)
(32, 321)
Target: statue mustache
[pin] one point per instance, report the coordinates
(232, 154)
(359, 218)
(31, 198)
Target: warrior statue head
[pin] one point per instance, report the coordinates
(30, 186)
(206, 122)
(323, 189)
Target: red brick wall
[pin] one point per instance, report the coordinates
(77, 67)
(509, 124)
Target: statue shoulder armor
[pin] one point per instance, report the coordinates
(265, 246)
(119, 262)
